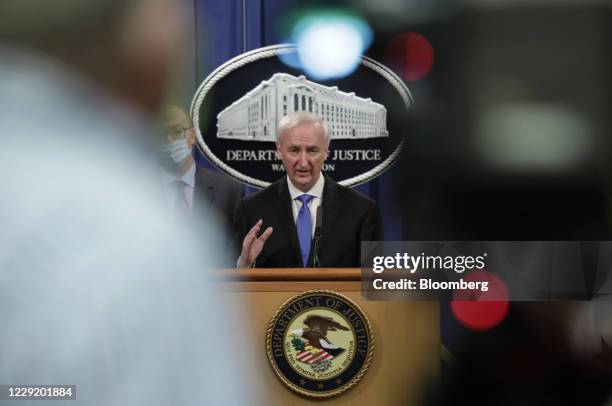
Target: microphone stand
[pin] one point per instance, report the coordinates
(315, 241)
(317, 237)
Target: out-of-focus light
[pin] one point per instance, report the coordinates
(486, 309)
(291, 59)
(410, 55)
(532, 136)
(330, 45)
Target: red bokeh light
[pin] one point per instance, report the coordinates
(410, 55)
(485, 310)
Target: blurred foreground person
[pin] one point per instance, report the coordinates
(97, 290)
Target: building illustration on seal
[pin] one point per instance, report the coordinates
(255, 116)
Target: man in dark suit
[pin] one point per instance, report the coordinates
(198, 194)
(216, 195)
(288, 208)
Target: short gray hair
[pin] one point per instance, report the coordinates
(294, 119)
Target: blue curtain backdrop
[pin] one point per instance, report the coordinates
(224, 29)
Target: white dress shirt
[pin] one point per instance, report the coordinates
(316, 201)
(170, 190)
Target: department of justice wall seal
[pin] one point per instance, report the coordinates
(237, 110)
(319, 343)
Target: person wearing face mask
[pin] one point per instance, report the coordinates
(193, 193)
(286, 210)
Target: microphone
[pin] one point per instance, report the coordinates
(317, 236)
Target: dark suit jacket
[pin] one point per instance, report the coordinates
(348, 219)
(215, 199)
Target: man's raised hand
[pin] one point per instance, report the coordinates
(252, 245)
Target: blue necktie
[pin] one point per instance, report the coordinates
(304, 227)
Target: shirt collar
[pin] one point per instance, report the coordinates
(188, 177)
(316, 190)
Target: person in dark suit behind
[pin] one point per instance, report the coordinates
(197, 194)
(288, 207)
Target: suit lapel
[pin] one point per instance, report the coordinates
(331, 208)
(285, 214)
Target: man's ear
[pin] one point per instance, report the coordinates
(278, 150)
(191, 137)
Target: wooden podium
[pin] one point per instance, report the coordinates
(407, 350)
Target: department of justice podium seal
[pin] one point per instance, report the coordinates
(319, 343)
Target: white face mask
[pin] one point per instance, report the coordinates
(174, 153)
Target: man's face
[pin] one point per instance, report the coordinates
(176, 126)
(303, 150)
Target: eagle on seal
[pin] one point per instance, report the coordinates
(316, 333)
